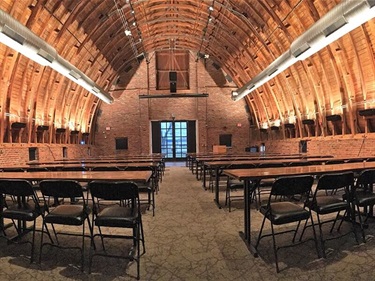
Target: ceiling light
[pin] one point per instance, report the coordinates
(342, 19)
(128, 32)
(21, 39)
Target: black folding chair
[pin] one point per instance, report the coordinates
(117, 205)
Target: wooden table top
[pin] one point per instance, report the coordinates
(137, 176)
(257, 157)
(217, 163)
(262, 173)
(85, 165)
(92, 161)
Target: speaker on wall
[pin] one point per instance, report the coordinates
(172, 76)
(173, 87)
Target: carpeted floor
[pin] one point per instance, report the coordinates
(189, 238)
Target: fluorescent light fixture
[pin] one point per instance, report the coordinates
(342, 19)
(272, 72)
(334, 26)
(74, 74)
(96, 90)
(18, 43)
(299, 51)
(21, 39)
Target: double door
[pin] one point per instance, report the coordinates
(174, 139)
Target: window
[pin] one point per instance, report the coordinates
(225, 140)
(33, 153)
(65, 152)
(172, 70)
(121, 143)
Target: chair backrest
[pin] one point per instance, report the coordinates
(292, 185)
(61, 188)
(15, 187)
(366, 179)
(335, 181)
(107, 190)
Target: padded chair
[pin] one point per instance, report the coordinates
(264, 186)
(235, 185)
(117, 205)
(364, 196)
(325, 202)
(22, 208)
(147, 188)
(78, 169)
(65, 212)
(283, 208)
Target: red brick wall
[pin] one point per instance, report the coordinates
(18, 154)
(360, 146)
(130, 116)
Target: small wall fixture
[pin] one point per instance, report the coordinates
(333, 118)
(367, 112)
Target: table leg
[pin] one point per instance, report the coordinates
(204, 177)
(246, 234)
(217, 196)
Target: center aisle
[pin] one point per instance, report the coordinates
(190, 238)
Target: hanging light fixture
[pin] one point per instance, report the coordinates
(342, 19)
(21, 39)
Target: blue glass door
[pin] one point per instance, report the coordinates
(174, 139)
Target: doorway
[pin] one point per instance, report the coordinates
(173, 139)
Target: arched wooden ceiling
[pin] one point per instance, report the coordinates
(241, 36)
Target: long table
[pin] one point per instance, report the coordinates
(217, 166)
(85, 176)
(249, 175)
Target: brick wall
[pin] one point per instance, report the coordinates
(359, 146)
(18, 154)
(131, 117)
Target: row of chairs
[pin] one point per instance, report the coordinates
(294, 200)
(114, 205)
(149, 188)
(264, 186)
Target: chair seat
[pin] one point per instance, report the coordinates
(365, 198)
(67, 214)
(329, 204)
(27, 212)
(117, 216)
(235, 184)
(285, 212)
